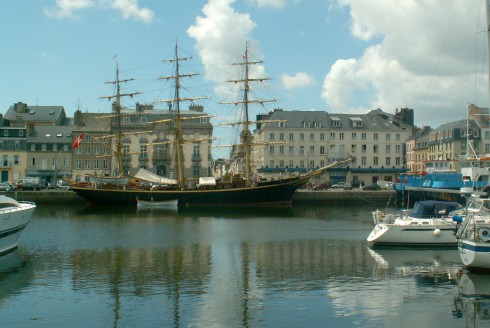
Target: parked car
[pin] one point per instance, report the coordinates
(322, 186)
(342, 185)
(372, 186)
(6, 186)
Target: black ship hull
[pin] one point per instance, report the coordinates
(276, 193)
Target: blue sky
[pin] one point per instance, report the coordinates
(344, 56)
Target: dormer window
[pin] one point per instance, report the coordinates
(306, 124)
(356, 122)
(335, 122)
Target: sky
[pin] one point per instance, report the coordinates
(338, 56)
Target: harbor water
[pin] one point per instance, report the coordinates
(305, 266)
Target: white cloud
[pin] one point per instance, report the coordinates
(67, 8)
(279, 4)
(299, 80)
(130, 9)
(419, 55)
(221, 34)
(127, 8)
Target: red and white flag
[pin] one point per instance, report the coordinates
(77, 141)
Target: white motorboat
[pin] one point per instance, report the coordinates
(474, 236)
(14, 217)
(429, 223)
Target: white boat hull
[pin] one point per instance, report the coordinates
(13, 220)
(416, 235)
(474, 255)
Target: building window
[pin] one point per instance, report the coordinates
(87, 164)
(5, 133)
(143, 151)
(16, 159)
(144, 119)
(88, 139)
(398, 149)
(281, 163)
(271, 136)
(125, 150)
(44, 147)
(291, 150)
(363, 160)
(388, 137)
(341, 135)
(375, 149)
(281, 136)
(363, 148)
(322, 136)
(281, 150)
(363, 136)
(388, 149)
(322, 150)
(105, 164)
(87, 150)
(375, 160)
(78, 164)
(291, 136)
(375, 136)
(398, 161)
(332, 135)
(398, 137)
(271, 150)
(388, 161)
(301, 150)
(96, 164)
(21, 133)
(291, 163)
(195, 170)
(312, 150)
(302, 136)
(96, 151)
(126, 119)
(354, 136)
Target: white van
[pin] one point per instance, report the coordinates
(30, 183)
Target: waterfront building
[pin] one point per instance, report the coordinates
(13, 156)
(449, 142)
(416, 149)
(46, 132)
(147, 142)
(481, 116)
(300, 141)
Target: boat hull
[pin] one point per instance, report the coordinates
(420, 235)
(13, 220)
(279, 194)
(474, 255)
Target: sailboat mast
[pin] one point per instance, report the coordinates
(178, 127)
(118, 113)
(246, 129)
(117, 109)
(487, 14)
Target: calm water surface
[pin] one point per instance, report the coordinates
(83, 266)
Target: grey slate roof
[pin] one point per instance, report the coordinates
(35, 113)
(373, 120)
(51, 134)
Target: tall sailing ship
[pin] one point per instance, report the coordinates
(241, 189)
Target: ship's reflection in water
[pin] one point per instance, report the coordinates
(221, 267)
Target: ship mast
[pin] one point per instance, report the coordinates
(178, 135)
(246, 135)
(117, 109)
